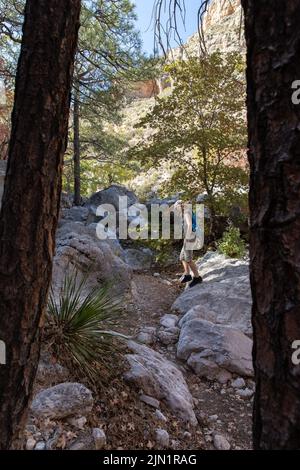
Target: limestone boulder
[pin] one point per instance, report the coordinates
(157, 377)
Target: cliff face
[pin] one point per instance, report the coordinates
(143, 89)
(222, 28)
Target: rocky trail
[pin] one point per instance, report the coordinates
(183, 381)
(223, 412)
(132, 419)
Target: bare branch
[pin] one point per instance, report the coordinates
(167, 32)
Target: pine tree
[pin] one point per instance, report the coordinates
(31, 199)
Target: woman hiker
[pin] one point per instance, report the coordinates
(191, 242)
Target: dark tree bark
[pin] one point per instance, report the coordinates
(76, 150)
(273, 63)
(31, 198)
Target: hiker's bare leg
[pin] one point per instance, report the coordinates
(194, 269)
(186, 267)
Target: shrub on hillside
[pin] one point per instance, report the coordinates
(231, 244)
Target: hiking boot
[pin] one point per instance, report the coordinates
(185, 278)
(195, 281)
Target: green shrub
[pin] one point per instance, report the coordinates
(164, 251)
(78, 325)
(232, 244)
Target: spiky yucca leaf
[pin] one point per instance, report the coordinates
(79, 323)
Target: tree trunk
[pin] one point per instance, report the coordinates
(273, 43)
(76, 151)
(210, 202)
(31, 199)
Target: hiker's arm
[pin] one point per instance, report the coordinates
(189, 227)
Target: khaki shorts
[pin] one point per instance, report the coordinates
(186, 255)
(188, 248)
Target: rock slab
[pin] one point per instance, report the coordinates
(160, 378)
(63, 400)
(208, 348)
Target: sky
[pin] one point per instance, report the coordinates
(145, 22)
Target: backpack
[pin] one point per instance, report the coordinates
(194, 222)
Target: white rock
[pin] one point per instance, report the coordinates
(52, 372)
(77, 245)
(232, 315)
(238, 383)
(75, 214)
(246, 393)
(62, 400)
(208, 348)
(221, 443)
(149, 401)
(30, 443)
(138, 260)
(224, 377)
(41, 445)
(160, 416)
(79, 445)
(213, 418)
(223, 298)
(78, 422)
(147, 335)
(175, 444)
(168, 336)
(162, 437)
(169, 320)
(161, 379)
(99, 438)
(222, 30)
(111, 195)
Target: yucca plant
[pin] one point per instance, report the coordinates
(78, 324)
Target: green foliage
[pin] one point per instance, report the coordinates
(200, 128)
(232, 244)
(108, 57)
(78, 322)
(109, 51)
(108, 43)
(101, 161)
(163, 251)
(11, 20)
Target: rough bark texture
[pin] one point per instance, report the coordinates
(273, 44)
(76, 151)
(31, 197)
